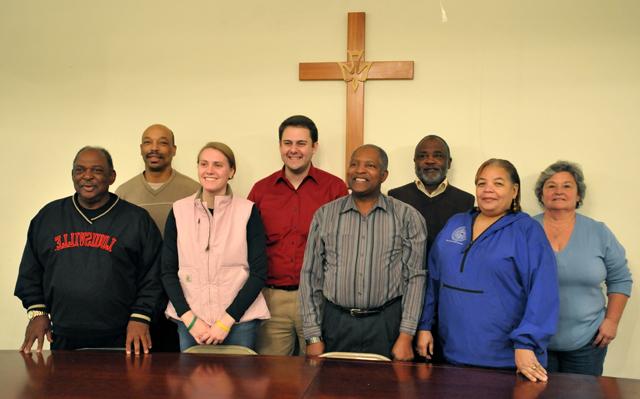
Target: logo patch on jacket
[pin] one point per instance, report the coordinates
(458, 236)
(84, 239)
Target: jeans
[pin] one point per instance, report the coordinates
(243, 334)
(586, 360)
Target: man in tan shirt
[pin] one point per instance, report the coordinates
(156, 189)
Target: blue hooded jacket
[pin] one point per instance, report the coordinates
(492, 295)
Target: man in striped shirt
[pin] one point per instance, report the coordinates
(363, 277)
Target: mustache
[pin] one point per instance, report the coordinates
(153, 153)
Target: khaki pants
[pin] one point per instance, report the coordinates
(278, 335)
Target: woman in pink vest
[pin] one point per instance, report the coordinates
(214, 261)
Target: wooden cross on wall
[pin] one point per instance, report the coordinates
(355, 72)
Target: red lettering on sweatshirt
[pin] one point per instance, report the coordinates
(85, 239)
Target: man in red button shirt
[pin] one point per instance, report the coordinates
(287, 200)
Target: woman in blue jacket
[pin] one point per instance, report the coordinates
(493, 282)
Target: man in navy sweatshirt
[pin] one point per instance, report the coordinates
(89, 272)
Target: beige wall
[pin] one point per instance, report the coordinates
(529, 81)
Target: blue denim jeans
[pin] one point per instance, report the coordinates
(586, 360)
(243, 334)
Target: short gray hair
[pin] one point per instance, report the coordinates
(384, 158)
(562, 166)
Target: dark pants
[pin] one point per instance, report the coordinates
(586, 360)
(61, 342)
(164, 332)
(164, 335)
(375, 333)
(438, 354)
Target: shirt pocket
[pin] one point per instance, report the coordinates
(337, 249)
(393, 252)
(189, 281)
(232, 277)
(276, 219)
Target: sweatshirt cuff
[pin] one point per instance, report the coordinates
(142, 318)
(425, 324)
(519, 345)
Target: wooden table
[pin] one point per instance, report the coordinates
(167, 375)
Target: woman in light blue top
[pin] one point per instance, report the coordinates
(588, 255)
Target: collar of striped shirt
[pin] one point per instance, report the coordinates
(350, 204)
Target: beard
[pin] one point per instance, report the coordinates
(158, 168)
(431, 178)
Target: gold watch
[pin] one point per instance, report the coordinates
(32, 314)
